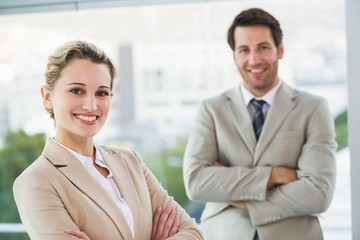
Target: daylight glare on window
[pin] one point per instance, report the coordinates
(168, 58)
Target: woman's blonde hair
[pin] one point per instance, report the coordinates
(68, 52)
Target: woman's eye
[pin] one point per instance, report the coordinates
(76, 91)
(102, 93)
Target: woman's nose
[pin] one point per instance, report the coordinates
(90, 103)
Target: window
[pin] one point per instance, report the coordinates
(168, 58)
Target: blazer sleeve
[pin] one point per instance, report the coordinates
(159, 197)
(38, 202)
(313, 191)
(206, 182)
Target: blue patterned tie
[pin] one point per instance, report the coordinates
(258, 120)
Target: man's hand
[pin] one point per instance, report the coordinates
(165, 223)
(218, 164)
(239, 204)
(280, 176)
(81, 235)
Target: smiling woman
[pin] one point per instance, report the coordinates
(76, 184)
(80, 98)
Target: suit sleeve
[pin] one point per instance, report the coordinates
(205, 182)
(313, 191)
(37, 204)
(159, 197)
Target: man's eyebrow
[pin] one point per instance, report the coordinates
(242, 46)
(264, 43)
(260, 43)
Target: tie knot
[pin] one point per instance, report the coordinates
(257, 103)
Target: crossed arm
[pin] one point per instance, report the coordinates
(278, 176)
(279, 191)
(288, 180)
(165, 224)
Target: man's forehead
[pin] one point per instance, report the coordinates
(253, 35)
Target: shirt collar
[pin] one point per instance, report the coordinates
(268, 97)
(84, 160)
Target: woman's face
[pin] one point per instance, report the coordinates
(80, 99)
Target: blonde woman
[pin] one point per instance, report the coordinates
(77, 189)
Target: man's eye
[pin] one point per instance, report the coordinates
(243, 50)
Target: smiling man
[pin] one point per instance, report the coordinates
(262, 154)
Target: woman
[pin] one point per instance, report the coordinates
(77, 189)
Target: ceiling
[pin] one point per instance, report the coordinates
(28, 6)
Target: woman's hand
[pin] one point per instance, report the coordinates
(81, 235)
(165, 223)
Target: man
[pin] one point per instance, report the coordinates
(262, 179)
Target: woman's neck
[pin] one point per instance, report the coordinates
(84, 146)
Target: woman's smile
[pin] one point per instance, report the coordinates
(87, 119)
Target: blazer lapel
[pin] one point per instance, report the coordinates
(281, 107)
(241, 118)
(123, 181)
(76, 173)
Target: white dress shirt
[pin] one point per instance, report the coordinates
(268, 98)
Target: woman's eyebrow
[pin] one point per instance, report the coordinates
(83, 84)
(76, 83)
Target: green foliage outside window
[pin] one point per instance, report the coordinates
(167, 167)
(18, 152)
(341, 129)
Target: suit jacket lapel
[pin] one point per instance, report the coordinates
(241, 118)
(76, 173)
(123, 181)
(282, 105)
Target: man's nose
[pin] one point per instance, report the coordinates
(253, 58)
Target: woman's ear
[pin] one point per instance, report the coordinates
(46, 96)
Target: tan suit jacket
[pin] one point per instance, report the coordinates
(57, 193)
(298, 133)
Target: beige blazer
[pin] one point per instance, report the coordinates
(57, 193)
(298, 133)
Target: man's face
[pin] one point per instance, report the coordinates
(256, 57)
